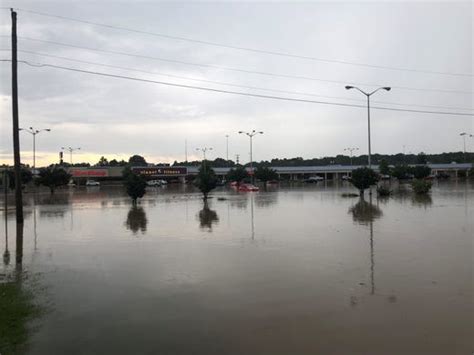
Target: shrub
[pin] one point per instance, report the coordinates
(53, 177)
(134, 184)
(363, 178)
(383, 191)
(421, 186)
(206, 179)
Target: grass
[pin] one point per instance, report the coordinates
(16, 309)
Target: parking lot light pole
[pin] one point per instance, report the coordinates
(351, 150)
(70, 152)
(251, 135)
(368, 94)
(34, 132)
(204, 150)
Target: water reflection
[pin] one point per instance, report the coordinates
(422, 200)
(18, 306)
(207, 217)
(365, 212)
(136, 220)
(6, 253)
(265, 200)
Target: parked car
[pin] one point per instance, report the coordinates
(153, 183)
(314, 179)
(346, 177)
(248, 187)
(163, 182)
(92, 183)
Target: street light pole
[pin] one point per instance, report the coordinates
(351, 150)
(227, 148)
(251, 135)
(368, 94)
(204, 150)
(464, 135)
(34, 132)
(70, 152)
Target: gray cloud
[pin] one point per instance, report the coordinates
(107, 116)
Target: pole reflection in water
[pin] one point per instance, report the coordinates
(252, 217)
(366, 213)
(372, 258)
(6, 253)
(19, 249)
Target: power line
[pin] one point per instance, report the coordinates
(232, 84)
(39, 65)
(232, 68)
(254, 50)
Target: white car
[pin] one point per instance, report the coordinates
(163, 182)
(314, 179)
(92, 183)
(153, 183)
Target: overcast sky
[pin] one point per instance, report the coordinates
(117, 118)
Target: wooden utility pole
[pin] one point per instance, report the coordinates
(16, 130)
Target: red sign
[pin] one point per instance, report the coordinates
(89, 172)
(161, 171)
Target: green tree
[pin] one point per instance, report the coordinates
(363, 178)
(206, 179)
(237, 174)
(102, 162)
(384, 169)
(265, 174)
(135, 184)
(137, 160)
(421, 158)
(53, 177)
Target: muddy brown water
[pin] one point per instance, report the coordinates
(291, 270)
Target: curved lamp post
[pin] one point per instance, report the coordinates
(368, 94)
(34, 132)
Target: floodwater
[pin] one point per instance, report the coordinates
(291, 270)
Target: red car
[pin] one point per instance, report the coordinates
(248, 187)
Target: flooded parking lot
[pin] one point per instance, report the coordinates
(289, 270)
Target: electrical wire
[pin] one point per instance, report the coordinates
(254, 50)
(40, 65)
(234, 69)
(233, 84)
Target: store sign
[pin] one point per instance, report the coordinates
(161, 171)
(76, 173)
